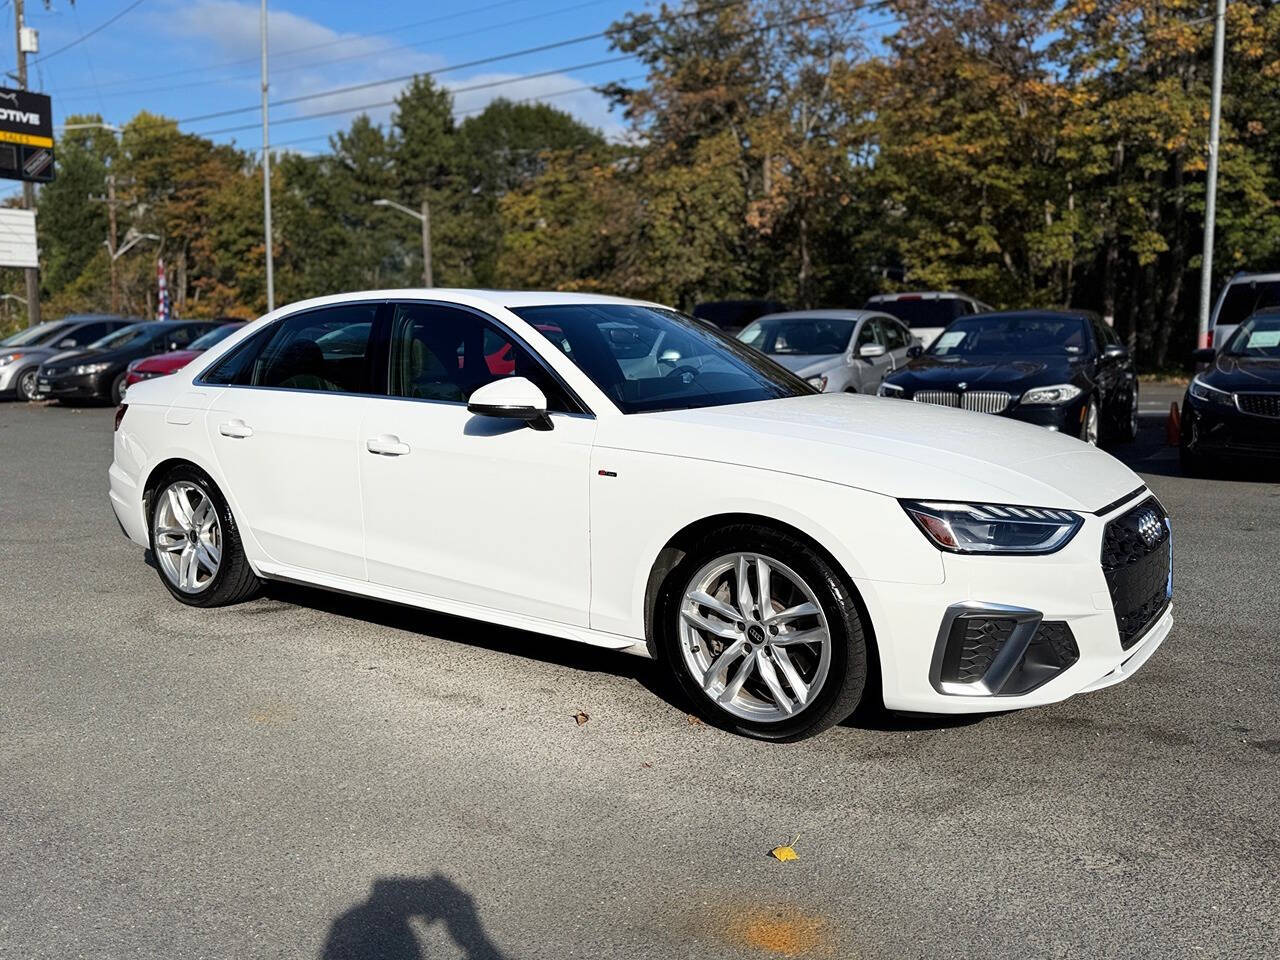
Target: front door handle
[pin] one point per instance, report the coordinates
(388, 445)
(235, 428)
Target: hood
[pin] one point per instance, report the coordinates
(29, 353)
(1243, 373)
(807, 364)
(894, 447)
(986, 373)
(168, 362)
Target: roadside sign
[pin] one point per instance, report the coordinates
(26, 136)
(17, 238)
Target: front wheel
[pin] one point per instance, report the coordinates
(196, 543)
(762, 634)
(27, 385)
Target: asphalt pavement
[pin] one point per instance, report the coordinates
(309, 775)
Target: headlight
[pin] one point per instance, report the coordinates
(1202, 391)
(1061, 393)
(818, 383)
(992, 527)
(8, 358)
(89, 368)
(890, 390)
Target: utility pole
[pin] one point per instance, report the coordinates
(28, 190)
(1211, 181)
(266, 165)
(112, 241)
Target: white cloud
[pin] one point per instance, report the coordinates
(230, 28)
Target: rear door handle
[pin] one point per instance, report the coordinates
(235, 428)
(388, 445)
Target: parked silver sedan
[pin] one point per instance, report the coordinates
(837, 351)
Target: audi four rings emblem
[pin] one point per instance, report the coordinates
(1149, 527)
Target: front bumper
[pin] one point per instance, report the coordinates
(67, 386)
(1219, 431)
(1068, 587)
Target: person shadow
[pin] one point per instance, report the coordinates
(379, 928)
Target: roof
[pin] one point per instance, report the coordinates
(481, 299)
(920, 294)
(1036, 312)
(821, 315)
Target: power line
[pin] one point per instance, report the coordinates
(495, 59)
(388, 103)
(85, 36)
(381, 51)
(305, 49)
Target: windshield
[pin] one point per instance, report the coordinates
(920, 313)
(216, 335)
(1012, 335)
(1259, 336)
(130, 336)
(1246, 298)
(799, 335)
(34, 336)
(647, 358)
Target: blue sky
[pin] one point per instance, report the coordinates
(187, 58)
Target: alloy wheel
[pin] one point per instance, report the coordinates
(187, 537)
(754, 637)
(27, 385)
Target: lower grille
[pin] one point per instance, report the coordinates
(969, 655)
(50, 371)
(1137, 561)
(979, 401)
(992, 655)
(1259, 404)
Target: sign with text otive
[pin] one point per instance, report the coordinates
(26, 136)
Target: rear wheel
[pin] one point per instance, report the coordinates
(196, 543)
(27, 384)
(118, 388)
(1089, 426)
(1129, 429)
(762, 634)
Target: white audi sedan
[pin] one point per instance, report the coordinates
(613, 472)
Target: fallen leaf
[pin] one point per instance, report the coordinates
(784, 853)
(581, 717)
(693, 721)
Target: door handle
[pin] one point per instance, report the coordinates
(388, 445)
(235, 428)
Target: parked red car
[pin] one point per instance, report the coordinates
(163, 364)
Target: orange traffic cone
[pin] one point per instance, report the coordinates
(1173, 426)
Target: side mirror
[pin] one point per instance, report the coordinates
(1204, 355)
(1115, 351)
(869, 351)
(915, 350)
(512, 398)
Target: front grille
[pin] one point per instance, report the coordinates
(1040, 651)
(1137, 560)
(980, 401)
(943, 398)
(969, 654)
(1259, 404)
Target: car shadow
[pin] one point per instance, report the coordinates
(1150, 453)
(381, 925)
(509, 640)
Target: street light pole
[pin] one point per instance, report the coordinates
(266, 166)
(28, 190)
(425, 218)
(1205, 338)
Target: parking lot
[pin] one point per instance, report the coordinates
(311, 775)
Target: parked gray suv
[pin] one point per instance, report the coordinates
(22, 353)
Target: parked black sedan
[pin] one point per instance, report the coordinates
(1061, 369)
(98, 371)
(1231, 410)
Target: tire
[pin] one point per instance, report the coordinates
(1128, 431)
(175, 548)
(833, 672)
(117, 390)
(27, 384)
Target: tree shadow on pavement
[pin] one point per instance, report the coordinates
(379, 928)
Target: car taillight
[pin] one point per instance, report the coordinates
(120, 412)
